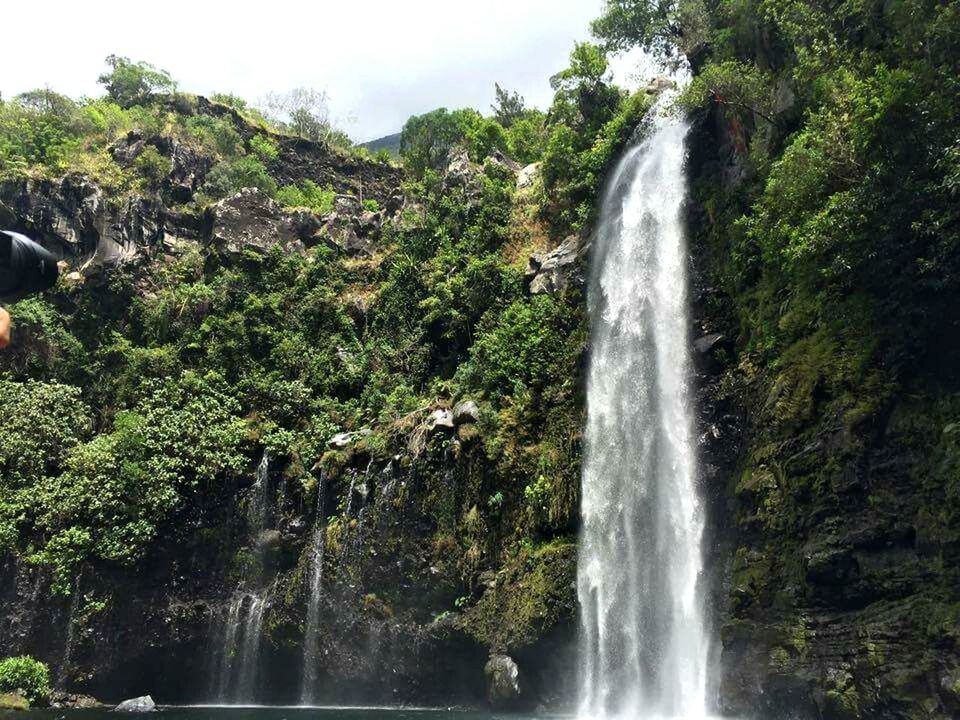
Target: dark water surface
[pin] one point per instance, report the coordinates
(265, 713)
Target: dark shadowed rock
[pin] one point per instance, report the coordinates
(250, 221)
(137, 705)
(706, 343)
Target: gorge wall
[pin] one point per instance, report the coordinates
(381, 375)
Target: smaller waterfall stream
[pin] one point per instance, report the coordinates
(311, 641)
(234, 675)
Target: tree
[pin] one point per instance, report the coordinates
(509, 106)
(303, 111)
(134, 83)
(659, 26)
(48, 102)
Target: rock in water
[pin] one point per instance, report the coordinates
(503, 681)
(137, 705)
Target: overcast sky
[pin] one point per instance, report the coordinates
(380, 60)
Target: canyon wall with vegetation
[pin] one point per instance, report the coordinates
(267, 336)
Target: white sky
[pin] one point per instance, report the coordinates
(380, 61)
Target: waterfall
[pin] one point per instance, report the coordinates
(236, 658)
(311, 641)
(258, 509)
(236, 675)
(643, 644)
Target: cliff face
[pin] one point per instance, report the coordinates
(833, 527)
(206, 370)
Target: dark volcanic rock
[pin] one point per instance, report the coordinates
(251, 221)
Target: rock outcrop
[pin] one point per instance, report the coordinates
(140, 704)
(559, 268)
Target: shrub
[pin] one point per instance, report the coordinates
(264, 147)
(307, 194)
(26, 674)
(134, 83)
(153, 166)
(229, 176)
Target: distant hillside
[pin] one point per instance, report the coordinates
(390, 143)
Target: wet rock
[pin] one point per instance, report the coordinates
(558, 269)
(250, 221)
(503, 681)
(137, 705)
(61, 699)
(268, 539)
(707, 343)
(465, 411)
(658, 84)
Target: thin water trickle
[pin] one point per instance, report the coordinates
(643, 642)
(311, 641)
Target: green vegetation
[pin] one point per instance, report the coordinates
(307, 194)
(27, 675)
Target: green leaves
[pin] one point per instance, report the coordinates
(25, 674)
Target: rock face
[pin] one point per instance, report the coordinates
(558, 269)
(250, 221)
(503, 678)
(137, 705)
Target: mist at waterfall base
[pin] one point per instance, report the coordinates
(643, 645)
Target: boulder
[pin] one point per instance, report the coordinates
(707, 343)
(503, 681)
(465, 411)
(528, 175)
(462, 173)
(558, 269)
(137, 705)
(440, 419)
(251, 221)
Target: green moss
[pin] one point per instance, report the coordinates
(13, 701)
(532, 594)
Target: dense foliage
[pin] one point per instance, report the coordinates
(26, 675)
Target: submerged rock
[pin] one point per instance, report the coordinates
(503, 681)
(140, 704)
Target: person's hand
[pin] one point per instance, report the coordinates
(4, 328)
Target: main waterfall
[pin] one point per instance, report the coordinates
(643, 643)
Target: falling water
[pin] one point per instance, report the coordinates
(643, 643)
(236, 659)
(311, 644)
(236, 674)
(258, 509)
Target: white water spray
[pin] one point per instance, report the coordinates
(643, 643)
